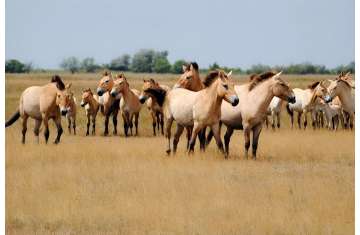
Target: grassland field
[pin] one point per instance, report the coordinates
(301, 183)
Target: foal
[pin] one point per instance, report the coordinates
(71, 110)
(130, 105)
(91, 104)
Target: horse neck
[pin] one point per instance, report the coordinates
(198, 85)
(126, 93)
(213, 100)
(92, 102)
(263, 94)
(346, 98)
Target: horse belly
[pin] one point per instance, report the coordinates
(31, 106)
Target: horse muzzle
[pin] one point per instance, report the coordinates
(82, 104)
(142, 99)
(234, 100)
(328, 99)
(113, 93)
(100, 91)
(63, 112)
(291, 99)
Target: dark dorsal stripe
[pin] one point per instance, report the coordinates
(59, 83)
(313, 85)
(256, 79)
(210, 78)
(158, 93)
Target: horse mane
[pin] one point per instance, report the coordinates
(106, 73)
(193, 64)
(255, 79)
(313, 85)
(211, 77)
(59, 83)
(159, 94)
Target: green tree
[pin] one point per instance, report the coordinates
(214, 66)
(258, 68)
(161, 65)
(143, 61)
(88, 65)
(177, 67)
(121, 63)
(71, 64)
(15, 66)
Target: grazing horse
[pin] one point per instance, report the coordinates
(130, 105)
(274, 111)
(91, 104)
(42, 103)
(153, 103)
(109, 104)
(249, 115)
(198, 109)
(305, 101)
(342, 87)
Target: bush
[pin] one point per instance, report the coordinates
(121, 63)
(177, 67)
(71, 64)
(161, 65)
(15, 66)
(89, 65)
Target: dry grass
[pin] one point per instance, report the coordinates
(302, 183)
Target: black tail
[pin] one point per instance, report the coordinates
(13, 118)
(290, 112)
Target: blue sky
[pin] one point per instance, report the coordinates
(230, 32)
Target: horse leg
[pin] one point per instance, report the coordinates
(247, 141)
(305, 120)
(351, 121)
(123, 114)
(136, 122)
(94, 123)
(256, 133)
(88, 125)
(158, 121)
(115, 113)
(194, 133)
(278, 119)
(216, 130)
(131, 117)
(153, 116)
(292, 120)
(209, 137)
(201, 137)
(24, 127)
(273, 116)
(74, 124)
(314, 119)
(37, 129)
(267, 121)
(227, 136)
(179, 131)
(188, 137)
(46, 131)
(106, 132)
(162, 123)
(299, 119)
(168, 123)
(69, 123)
(57, 121)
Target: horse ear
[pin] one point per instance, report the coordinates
(68, 86)
(277, 76)
(229, 74)
(184, 68)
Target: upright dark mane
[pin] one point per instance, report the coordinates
(313, 85)
(193, 64)
(255, 79)
(158, 93)
(59, 83)
(210, 78)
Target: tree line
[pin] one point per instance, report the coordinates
(152, 61)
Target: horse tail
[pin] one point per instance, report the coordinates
(289, 111)
(12, 119)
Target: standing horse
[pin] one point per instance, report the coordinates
(71, 114)
(274, 111)
(153, 103)
(42, 103)
(249, 115)
(198, 109)
(342, 88)
(130, 105)
(305, 100)
(109, 104)
(91, 104)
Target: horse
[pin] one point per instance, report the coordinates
(71, 114)
(153, 104)
(332, 114)
(305, 100)
(130, 105)
(198, 109)
(342, 87)
(255, 97)
(90, 102)
(109, 104)
(274, 111)
(42, 103)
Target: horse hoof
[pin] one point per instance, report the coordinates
(168, 152)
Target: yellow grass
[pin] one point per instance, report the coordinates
(302, 183)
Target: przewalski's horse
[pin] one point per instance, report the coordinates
(274, 111)
(342, 87)
(249, 114)
(198, 109)
(71, 112)
(91, 104)
(130, 105)
(305, 100)
(42, 103)
(154, 102)
(109, 105)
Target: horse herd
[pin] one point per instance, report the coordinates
(195, 104)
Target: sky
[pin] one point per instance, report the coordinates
(234, 33)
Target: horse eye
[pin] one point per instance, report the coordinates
(226, 86)
(106, 81)
(188, 77)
